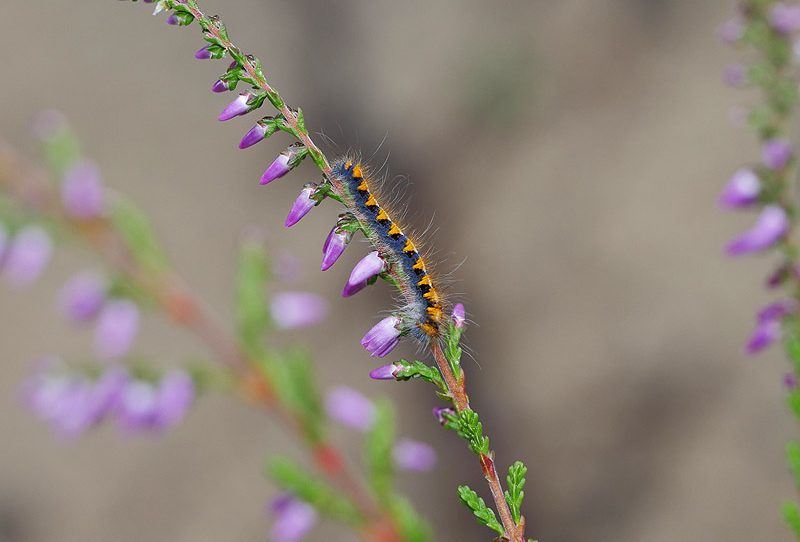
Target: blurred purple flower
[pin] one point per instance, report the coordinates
(784, 17)
(731, 30)
(293, 518)
(176, 393)
(742, 190)
(82, 297)
(350, 408)
(777, 310)
(764, 335)
(292, 310)
(383, 337)
(27, 257)
(82, 191)
(776, 153)
(219, 86)
(116, 329)
(734, 75)
(137, 408)
(770, 226)
(414, 455)
(790, 381)
(440, 412)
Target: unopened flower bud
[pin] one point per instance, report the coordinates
(770, 226)
(302, 205)
(383, 337)
(334, 246)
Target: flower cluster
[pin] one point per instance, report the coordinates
(765, 187)
(73, 401)
(24, 255)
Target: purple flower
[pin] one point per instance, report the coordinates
(383, 337)
(176, 394)
(257, 133)
(776, 153)
(459, 316)
(117, 327)
(220, 86)
(82, 191)
(302, 205)
(790, 381)
(742, 190)
(441, 413)
(239, 106)
(350, 408)
(173, 20)
(292, 310)
(83, 296)
(764, 335)
(137, 408)
(293, 518)
(785, 18)
(414, 455)
(277, 169)
(370, 266)
(334, 246)
(385, 372)
(27, 257)
(734, 75)
(731, 30)
(777, 310)
(770, 226)
(203, 53)
(69, 401)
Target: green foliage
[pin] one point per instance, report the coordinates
(411, 526)
(378, 447)
(252, 314)
(484, 514)
(793, 459)
(791, 515)
(61, 149)
(291, 477)
(293, 377)
(138, 235)
(514, 493)
(452, 348)
(417, 369)
(470, 429)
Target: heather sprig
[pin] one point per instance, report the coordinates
(136, 395)
(384, 336)
(767, 31)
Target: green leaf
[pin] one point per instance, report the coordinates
(61, 149)
(140, 239)
(470, 429)
(791, 515)
(418, 369)
(252, 313)
(301, 121)
(452, 350)
(516, 482)
(793, 402)
(293, 376)
(411, 526)
(793, 459)
(291, 477)
(378, 447)
(484, 514)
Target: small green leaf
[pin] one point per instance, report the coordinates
(470, 429)
(293, 376)
(484, 514)
(791, 516)
(793, 459)
(253, 317)
(418, 369)
(378, 447)
(411, 526)
(140, 239)
(516, 482)
(291, 477)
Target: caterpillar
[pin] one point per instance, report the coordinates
(424, 303)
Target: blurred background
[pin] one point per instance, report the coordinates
(569, 154)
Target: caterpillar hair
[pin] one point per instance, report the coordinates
(423, 311)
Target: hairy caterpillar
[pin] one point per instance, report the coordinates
(424, 304)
